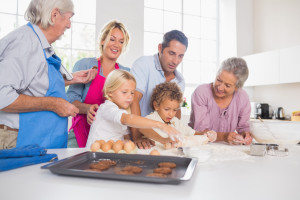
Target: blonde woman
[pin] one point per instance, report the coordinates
(114, 39)
(113, 118)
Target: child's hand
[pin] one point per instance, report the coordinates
(172, 132)
(212, 135)
(91, 113)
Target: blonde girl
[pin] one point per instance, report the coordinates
(112, 119)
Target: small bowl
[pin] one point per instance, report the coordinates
(200, 153)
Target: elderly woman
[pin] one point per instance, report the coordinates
(113, 41)
(33, 102)
(223, 106)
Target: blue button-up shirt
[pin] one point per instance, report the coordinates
(148, 73)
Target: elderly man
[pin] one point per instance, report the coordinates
(33, 105)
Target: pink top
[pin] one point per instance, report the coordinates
(206, 114)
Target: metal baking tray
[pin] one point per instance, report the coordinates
(78, 165)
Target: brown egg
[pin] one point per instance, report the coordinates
(120, 142)
(95, 147)
(132, 144)
(117, 147)
(111, 142)
(106, 147)
(154, 152)
(128, 147)
(101, 142)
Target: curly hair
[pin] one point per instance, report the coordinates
(166, 90)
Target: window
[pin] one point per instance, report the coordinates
(77, 42)
(198, 19)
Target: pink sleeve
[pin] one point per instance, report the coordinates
(244, 115)
(199, 119)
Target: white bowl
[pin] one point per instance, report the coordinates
(200, 153)
(276, 132)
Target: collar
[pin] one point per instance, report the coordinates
(44, 42)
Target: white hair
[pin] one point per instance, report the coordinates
(39, 11)
(238, 67)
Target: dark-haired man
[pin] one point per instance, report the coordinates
(150, 71)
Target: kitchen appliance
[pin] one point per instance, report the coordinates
(265, 111)
(280, 113)
(260, 110)
(255, 110)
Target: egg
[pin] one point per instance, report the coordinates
(111, 142)
(121, 143)
(101, 142)
(106, 147)
(128, 147)
(95, 147)
(154, 152)
(117, 147)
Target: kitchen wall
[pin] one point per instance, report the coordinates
(129, 12)
(276, 25)
(246, 27)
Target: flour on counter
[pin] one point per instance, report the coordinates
(220, 151)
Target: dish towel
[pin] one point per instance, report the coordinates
(24, 156)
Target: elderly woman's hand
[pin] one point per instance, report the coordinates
(247, 138)
(235, 138)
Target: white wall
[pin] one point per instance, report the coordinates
(131, 13)
(236, 28)
(276, 25)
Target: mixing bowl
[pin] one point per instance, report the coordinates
(275, 131)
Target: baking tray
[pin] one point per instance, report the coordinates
(78, 165)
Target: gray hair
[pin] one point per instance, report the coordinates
(238, 67)
(39, 11)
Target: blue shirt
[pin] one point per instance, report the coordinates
(148, 73)
(79, 91)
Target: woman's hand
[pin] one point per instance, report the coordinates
(247, 138)
(212, 135)
(91, 113)
(235, 138)
(83, 76)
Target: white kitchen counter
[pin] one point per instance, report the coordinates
(230, 174)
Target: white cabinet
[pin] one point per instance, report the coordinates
(263, 68)
(290, 65)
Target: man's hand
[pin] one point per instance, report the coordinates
(144, 143)
(64, 109)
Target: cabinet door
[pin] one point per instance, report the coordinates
(290, 65)
(263, 68)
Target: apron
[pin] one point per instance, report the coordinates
(94, 95)
(46, 128)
